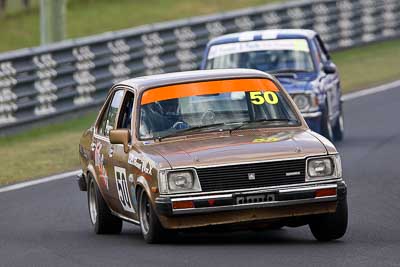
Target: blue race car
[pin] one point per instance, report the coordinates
(299, 60)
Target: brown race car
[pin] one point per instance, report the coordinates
(207, 148)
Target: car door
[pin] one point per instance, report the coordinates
(101, 145)
(331, 81)
(124, 172)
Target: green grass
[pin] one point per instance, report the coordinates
(42, 151)
(87, 17)
(369, 65)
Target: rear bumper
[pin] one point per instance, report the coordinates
(232, 207)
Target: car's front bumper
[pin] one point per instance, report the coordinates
(228, 208)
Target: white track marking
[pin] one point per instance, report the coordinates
(345, 97)
(39, 181)
(371, 91)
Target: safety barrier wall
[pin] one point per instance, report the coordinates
(45, 81)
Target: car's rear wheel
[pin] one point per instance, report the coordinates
(152, 230)
(338, 129)
(326, 227)
(103, 220)
(326, 126)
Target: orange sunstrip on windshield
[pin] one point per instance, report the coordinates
(207, 88)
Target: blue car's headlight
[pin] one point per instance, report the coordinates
(302, 102)
(306, 102)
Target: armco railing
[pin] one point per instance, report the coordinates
(45, 81)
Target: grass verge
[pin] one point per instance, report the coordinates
(42, 151)
(22, 26)
(369, 65)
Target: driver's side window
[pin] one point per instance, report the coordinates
(125, 116)
(107, 122)
(321, 50)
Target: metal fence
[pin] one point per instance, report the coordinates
(45, 81)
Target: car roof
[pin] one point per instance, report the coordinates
(263, 34)
(145, 82)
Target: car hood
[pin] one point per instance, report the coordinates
(292, 85)
(239, 147)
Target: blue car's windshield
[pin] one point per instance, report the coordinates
(281, 55)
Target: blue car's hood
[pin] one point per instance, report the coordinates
(300, 83)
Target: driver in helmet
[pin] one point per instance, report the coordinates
(161, 116)
(169, 109)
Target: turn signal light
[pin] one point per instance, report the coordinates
(187, 204)
(325, 192)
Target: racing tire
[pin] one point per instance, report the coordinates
(331, 226)
(102, 219)
(326, 126)
(338, 129)
(152, 230)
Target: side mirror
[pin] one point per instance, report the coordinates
(329, 68)
(120, 136)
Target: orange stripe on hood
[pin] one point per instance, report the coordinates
(207, 88)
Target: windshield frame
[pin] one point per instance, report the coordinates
(309, 43)
(285, 95)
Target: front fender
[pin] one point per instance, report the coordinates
(144, 184)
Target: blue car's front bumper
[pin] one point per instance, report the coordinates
(313, 120)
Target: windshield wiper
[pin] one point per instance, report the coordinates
(287, 71)
(245, 123)
(237, 125)
(191, 129)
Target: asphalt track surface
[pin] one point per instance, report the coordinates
(48, 224)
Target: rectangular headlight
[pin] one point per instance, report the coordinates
(324, 168)
(179, 182)
(305, 102)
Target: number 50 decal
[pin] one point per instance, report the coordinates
(258, 98)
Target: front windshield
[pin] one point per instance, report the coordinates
(213, 106)
(280, 55)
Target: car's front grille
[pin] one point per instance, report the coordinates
(241, 176)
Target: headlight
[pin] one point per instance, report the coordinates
(302, 102)
(179, 182)
(324, 168)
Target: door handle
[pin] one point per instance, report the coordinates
(110, 152)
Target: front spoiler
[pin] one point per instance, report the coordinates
(228, 202)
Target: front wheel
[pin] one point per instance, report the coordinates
(326, 227)
(152, 230)
(103, 220)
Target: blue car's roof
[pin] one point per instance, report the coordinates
(263, 34)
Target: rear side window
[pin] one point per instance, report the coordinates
(107, 122)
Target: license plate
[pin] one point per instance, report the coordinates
(258, 198)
